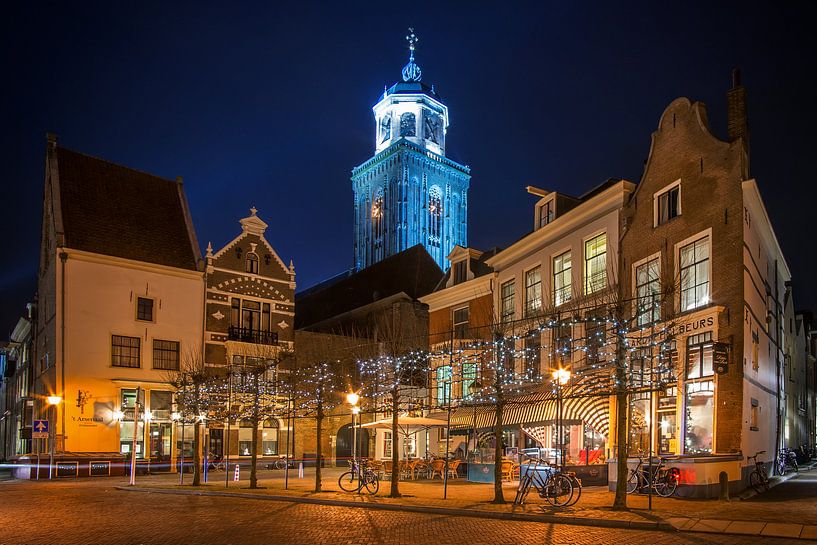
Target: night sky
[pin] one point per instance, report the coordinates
(270, 105)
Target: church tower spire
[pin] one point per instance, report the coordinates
(409, 193)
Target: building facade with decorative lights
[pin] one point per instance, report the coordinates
(249, 318)
(409, 192)
(701, 260)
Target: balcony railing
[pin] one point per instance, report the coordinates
(253, 336)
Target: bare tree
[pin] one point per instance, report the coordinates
(193, 397)
(396, 377)
(256, 392)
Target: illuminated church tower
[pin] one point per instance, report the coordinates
(409, 193)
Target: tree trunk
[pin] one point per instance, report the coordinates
(395, 455)
(318, 451)
(499, 407)
(196, 439)
(620, 501)
(255, 419)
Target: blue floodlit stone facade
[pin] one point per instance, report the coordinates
(409, 193)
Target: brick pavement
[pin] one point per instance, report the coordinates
(79, 512)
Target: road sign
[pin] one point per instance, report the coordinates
(39, 430)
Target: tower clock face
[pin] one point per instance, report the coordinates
(433, 127)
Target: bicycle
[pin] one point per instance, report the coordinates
(664, 480)
(216, 464)
(786, 459)
(759, 477)
(550, 484)
(358, 477)
(279, 463)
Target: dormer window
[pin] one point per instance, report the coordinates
(252, 263)
(546, 213)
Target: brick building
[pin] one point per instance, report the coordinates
(700, 258)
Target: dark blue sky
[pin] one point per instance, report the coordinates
(269, 104)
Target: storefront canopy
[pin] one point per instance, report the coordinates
(536, 408)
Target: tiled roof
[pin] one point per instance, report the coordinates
(117, 211)
(411, 271)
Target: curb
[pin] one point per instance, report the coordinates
(548, 519)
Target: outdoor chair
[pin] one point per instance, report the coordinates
(387, 467)
(437, 468)
(452, 468)
(421, 469)
(507, 470)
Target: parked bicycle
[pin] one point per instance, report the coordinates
(359, 476)
(551, 484)
(786, 460)
(216, 464)
(279, 463)
(759, 477)
(664, 479)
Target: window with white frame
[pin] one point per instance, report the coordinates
(387, 444)
(647, 290)
(699, 356)
(460, 320)
(533, 357)
(533, 291)
(443, 385)
(469, 380)
(694, 272)
(562, 282)
(507, 293)
(668, 204)
(595, 264)
(699, 417)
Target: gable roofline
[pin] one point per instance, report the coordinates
(253, 225)
(188, 221)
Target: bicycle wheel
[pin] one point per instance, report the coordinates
(371, 482)
(560, 490)
(666, 486)
(633, 481)
(757, 481)
(522, 491)
(280, 463)
(348, 482)
(577, 490)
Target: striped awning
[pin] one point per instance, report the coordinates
(537, 408)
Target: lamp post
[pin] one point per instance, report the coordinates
(53, 401)
(352, 399)
(561, 376)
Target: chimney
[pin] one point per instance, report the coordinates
(736, 111)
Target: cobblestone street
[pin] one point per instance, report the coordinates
(96, 512)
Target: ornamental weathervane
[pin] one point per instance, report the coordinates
(412, 72)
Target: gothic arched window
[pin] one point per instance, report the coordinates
(377, 217)
(251, 263)
(408, 124)
(435, 215)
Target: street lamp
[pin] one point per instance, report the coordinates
(561, 376)
(352, 399)
(53, 401)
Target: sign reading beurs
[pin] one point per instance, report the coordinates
(646, 336)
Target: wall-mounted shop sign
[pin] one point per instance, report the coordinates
(88, 421)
